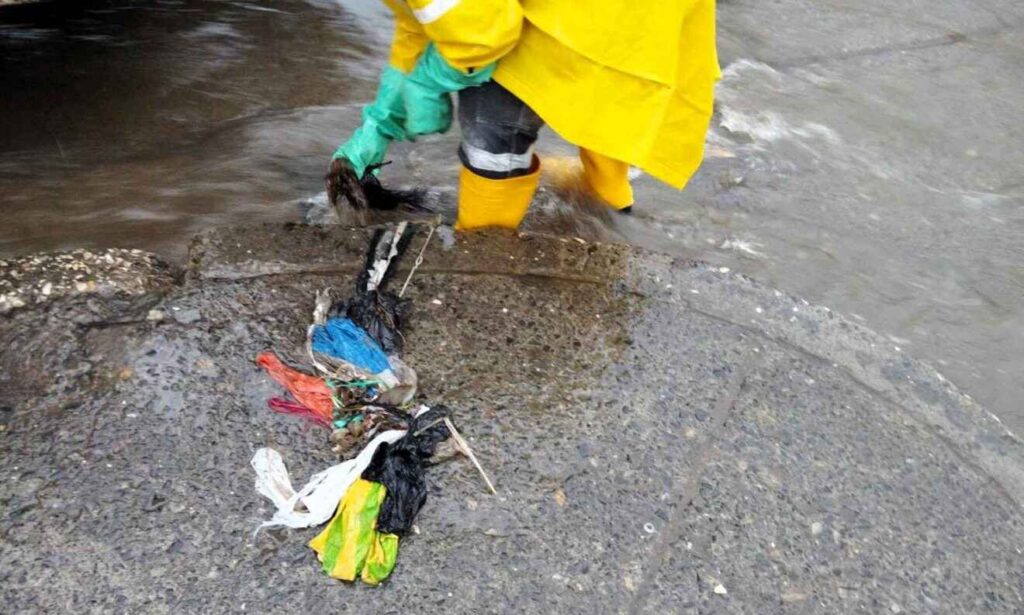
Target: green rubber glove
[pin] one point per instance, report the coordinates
(426, 92)
(383, 122)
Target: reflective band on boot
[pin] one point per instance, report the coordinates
(607, 178)
(494, 202)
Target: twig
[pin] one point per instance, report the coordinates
(469, 453)
(420, 431)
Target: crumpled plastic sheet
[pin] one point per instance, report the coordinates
(380, 314)
(343, 339)
(350, 546)
(403, 390)
(400, 467)
(283, 406)
(380, 197)
(386, 248)
(319, 496)
(310, 391)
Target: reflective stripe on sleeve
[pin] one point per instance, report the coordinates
(434, 11)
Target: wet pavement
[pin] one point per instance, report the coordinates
(863, 156)
(663, 435)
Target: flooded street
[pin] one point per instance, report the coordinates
(139, 123)
(876, 172)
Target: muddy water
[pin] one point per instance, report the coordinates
(137, 124)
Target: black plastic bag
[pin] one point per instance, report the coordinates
(378, 312)
(401, 466)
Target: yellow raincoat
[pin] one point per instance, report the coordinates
(633, 81)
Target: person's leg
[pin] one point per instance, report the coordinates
(500, 171)
(590, 177)
(608, 179)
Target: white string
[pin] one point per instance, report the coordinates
(417, 263)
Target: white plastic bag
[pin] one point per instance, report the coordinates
(320, 496)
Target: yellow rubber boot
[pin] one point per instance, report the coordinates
(607, 178)
(494, 202)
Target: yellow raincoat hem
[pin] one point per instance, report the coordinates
(661, 129)
(566, 125)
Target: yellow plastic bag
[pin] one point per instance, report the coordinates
(350, 546)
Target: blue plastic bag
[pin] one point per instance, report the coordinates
(341, 338)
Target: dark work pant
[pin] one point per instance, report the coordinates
(498, 132)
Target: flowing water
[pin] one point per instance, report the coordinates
(137, 124)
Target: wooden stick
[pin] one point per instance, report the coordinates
(469, 453)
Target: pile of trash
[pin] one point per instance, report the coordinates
(363, 392)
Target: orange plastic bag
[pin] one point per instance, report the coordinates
(310, 391)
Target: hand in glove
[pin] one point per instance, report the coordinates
(383, 122)
(406, 106)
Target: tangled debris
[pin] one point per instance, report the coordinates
(364, 393)
(400, 467)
